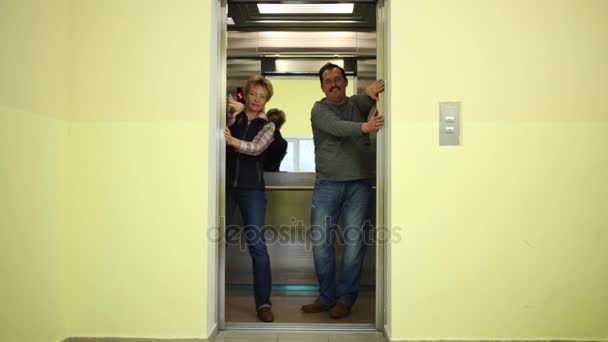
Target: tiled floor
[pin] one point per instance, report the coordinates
(230, 336)
(240, 309)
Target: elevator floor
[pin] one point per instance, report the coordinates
(240, 308)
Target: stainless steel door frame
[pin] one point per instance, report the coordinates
(382, 194)
(381, 186)
(222, 8)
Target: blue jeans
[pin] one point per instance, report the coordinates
(353, 201)
(253, 210)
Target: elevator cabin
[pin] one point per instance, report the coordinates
(288, 45)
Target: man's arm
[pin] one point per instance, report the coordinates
(324, 119)
(368, 99)
(374, 89)
(373, 124)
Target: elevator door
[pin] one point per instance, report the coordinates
(249, 51)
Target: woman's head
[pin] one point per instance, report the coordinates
(277, 116)
(258, 91)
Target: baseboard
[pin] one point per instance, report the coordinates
(494, 340)
(133, 339)
(385, 335)
(130, 339)
(214, 334)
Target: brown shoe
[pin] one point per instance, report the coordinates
(340, 310)
(315, 307)
(265, 314)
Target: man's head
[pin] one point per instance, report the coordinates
(333, 83)
(276, 116)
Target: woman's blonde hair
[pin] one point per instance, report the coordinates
(259, 81)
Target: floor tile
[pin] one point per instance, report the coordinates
(303, 337)
(229, 336)
(356, 337)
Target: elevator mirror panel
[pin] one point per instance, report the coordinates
(295, 95)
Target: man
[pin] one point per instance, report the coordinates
(344, 167)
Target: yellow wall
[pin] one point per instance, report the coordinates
(504, 236)
(138, 158)
(34, 37)
(32, 169)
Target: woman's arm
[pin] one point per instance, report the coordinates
(259, 144)
(234, 107)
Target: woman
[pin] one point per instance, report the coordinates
(248, 134)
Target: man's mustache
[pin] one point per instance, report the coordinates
(332, 88)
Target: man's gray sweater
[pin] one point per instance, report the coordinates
(342, 151)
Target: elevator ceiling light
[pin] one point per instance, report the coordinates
(303, 65)
(306, 21)
(345, 8)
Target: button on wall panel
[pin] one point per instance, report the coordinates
(449, 123)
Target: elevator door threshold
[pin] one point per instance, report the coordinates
(301, 327)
